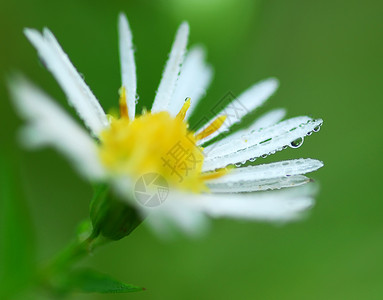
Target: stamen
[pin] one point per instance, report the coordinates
(216, 174)
(123, 106)
(213, 127)
(182, 113)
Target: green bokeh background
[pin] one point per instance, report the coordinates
(328, 56)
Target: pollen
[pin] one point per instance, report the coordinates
(154, 143)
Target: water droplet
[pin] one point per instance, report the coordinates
(297, 143)
(238, 164)
(316, 128)
(309, 133)
(264, 155)
(284, 147)
(273, 152)
(252, 159)
(243, 162)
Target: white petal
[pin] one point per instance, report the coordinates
(78, 93)
(272, 170)
(128, 66)
(247, 102)
(194, 79)
(263, 206)
(175, 214)
(262, 142)
(50, 125)
(268, 119)
(268, 176)
(286, 125)
(259, 185)
(188, 212)
(172, 69)
(274, 206)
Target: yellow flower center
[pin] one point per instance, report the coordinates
(155, 143)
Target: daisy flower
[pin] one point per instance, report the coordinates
(194, 177)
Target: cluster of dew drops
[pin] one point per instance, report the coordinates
(294, 144)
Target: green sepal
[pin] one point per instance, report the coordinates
(110, 216)
(90, 281)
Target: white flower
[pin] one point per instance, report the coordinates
(121, 150)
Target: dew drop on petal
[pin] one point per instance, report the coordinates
(297, 143)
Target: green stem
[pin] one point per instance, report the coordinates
(70, 255)
(51, 275)
(110, 220)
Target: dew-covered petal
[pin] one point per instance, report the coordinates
(275, 129)
(266, 177)
(195, 77)
(247, 186)
(78, 93)
(245, 103)
(267, 119)
(128, 66)
(48, 124)
(172, 69)
(271, 170)
(259, 143)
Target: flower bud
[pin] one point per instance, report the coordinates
(111, 217)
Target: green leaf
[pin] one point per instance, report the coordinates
(17, 251)
(89, 281)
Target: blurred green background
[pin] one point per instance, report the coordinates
(328, 56)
